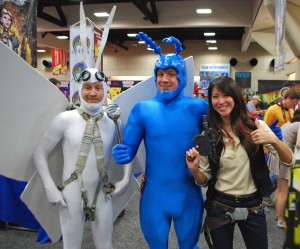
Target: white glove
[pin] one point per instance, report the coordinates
(54, 196)
(120, 187)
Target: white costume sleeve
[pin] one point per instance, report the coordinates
(51, 137)
(122, 185)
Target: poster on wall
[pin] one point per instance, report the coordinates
(18, 28)
(243, 79)
(271, 91)
(65, 89)
(209, 72)
(118, 86)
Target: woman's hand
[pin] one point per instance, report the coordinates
(193, 162)
(262, 136)
(193, 159)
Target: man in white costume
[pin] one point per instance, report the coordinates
(72, 128)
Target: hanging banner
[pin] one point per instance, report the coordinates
(56, 61)
(64, 66)
(279, 35)
(18, 28)
(209, 72)
(59, 62)
(97, 41)
(77, 65)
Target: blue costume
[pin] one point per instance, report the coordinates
(167, 124)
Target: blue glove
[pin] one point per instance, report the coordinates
(277, 130)
(122, 153)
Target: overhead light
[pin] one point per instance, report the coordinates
(209, 34)
(291, 76)
(141, 42)
(131, 35)
(212, 48)
(101, 14)
(211, 41)
(203, 11)
(41, 50)
(62, 37)
(150, 49)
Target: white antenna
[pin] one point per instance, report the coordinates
(83, 34)
(104, 36)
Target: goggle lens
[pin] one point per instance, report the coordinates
(86, 75)
(100, 76)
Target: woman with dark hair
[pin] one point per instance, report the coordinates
(289, 132)
(236, 174)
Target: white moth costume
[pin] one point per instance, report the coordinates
(72, 128)
(87, 135)
(86, 183)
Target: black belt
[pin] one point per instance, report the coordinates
(237, 198)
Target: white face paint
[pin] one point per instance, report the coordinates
(92, 109)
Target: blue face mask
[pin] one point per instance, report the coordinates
(166, 61)
(176, 62)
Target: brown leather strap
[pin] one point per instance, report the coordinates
(231, 209)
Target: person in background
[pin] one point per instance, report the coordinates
(236, 173)
(195, 88)
(251, 106)
(289, 132)
(245, 98)
(55, 82)
(200, 93)
(167, 124)
(283, 110)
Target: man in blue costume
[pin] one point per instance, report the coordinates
(167, 124)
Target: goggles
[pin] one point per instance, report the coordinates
(86, 75)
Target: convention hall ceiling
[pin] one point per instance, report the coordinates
(229, 20)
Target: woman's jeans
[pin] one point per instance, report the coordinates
(253, 229)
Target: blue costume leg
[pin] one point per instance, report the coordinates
(188, 224)
(155, 223)
(160, 204)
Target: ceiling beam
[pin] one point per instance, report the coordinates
(62, 22)
(149, 14)
(119, 45)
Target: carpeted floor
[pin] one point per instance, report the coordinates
(127, 234)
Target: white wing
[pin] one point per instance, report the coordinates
(28, 102)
